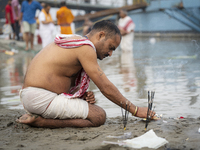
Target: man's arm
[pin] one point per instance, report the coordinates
(20, 18)
(124, 32)
(8, 17)
(88, 59)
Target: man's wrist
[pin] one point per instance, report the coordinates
(136, 111)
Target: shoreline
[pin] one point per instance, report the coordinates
(167, 35)
(180, 133)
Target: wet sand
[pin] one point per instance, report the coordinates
(181, 134)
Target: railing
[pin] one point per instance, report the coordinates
(94, 5)
(112, 3)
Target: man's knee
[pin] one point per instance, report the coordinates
(97, 115)
(101, 118)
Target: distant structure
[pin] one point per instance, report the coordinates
(148, 15)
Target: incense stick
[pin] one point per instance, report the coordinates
(150, 104)
(147, 112)
(125, 117)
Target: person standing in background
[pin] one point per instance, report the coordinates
(16, 15)
(126, 27)
(9, 17)
(87, 26)
(64, 18)
(28, 10)
(46, 26)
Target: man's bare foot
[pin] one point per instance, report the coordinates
(28, 119)
(26, 48)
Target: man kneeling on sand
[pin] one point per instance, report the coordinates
(54, 91)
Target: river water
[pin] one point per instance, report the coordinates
(168, 66)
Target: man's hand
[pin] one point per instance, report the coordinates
(89, 97)
(122, 31)
(142, 112)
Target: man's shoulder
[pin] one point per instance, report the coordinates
(15, 3)
(37, 4)
(41, 15)
(59, 10)
(24, 2)
(75, 40)
(128, 18)
(8, 7)
(86, 53)
(65, 9)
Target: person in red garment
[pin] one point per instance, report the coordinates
(9, 17)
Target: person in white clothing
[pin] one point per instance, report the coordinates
(126, 27)
(46, 27)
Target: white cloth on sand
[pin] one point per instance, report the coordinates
(149, 139)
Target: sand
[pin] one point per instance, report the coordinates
(180, 133)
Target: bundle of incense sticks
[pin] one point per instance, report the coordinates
(150, 104)
(125, 117)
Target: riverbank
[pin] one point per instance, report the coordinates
(180, 133)
(167, 35)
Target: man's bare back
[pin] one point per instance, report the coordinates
(54, 68)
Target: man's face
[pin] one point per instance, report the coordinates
(122, 14)
(105, 47)
(47, 9)
(9, 2)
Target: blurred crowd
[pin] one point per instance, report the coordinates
(23, 22)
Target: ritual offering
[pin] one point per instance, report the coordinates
(150, 104)
(125, 114)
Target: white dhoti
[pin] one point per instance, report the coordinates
(50, 105)
(127, 25)
(46, 36)
(126, 44)
(46, 31)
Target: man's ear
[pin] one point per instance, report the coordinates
(102, 35)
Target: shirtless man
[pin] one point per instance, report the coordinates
(53, 71)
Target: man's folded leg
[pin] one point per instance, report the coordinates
(47, 109)
(96, 117)
(62, 107)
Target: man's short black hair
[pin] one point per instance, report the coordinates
(63, 3)
(107, 26)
